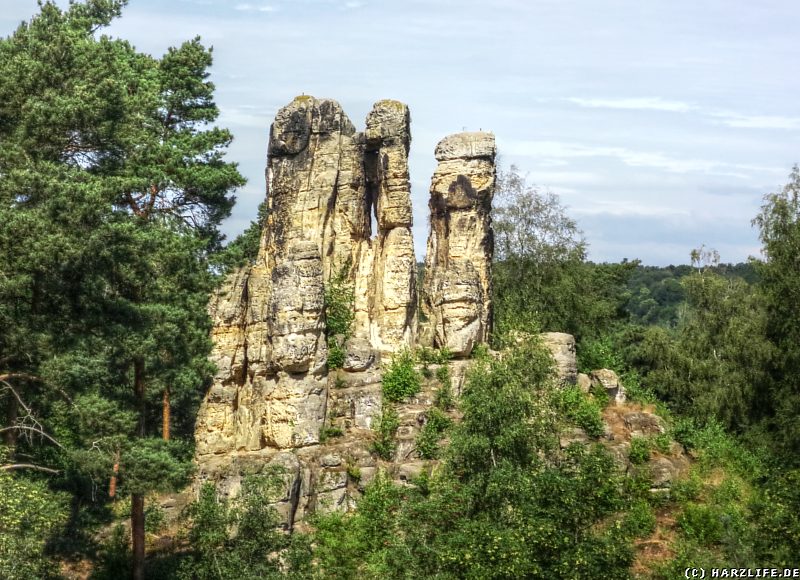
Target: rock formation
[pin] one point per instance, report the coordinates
(562, 347)
(274, 397)
(457, 290)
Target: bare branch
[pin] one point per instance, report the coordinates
(13, 466)
(25, 376)
(35, 429)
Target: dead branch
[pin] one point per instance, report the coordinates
(13, 466)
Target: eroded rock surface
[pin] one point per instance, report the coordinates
(339, 208)
(457, 290)
(562, 346)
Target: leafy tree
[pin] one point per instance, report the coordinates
(507, 502)
(541, 278)
(111, 191)
(714, 364)
(779, 225)
(235, 538)
(244, 248)
(29, 514)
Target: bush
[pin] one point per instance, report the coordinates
(336, 354)
(234, 538)
(582, 410)
(640, 521)
(339, 316)
(339, 304)
(385, 444)
(640, 450)
(426, 355)
(443, 398)
(328, 432)
(401, 380)
(702, 523)
(599, 353)
(688, 489)
(427, 443)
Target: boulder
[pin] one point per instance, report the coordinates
(642, 424)
(562, 347)
(608, 380)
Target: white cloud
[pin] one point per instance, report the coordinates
(631, 158)
(354, 4)
(557, 149)
(644, 104)
(256, 8)
(757, 121)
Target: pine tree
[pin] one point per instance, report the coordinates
(111, 192)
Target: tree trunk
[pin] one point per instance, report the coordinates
(139, 391)
(137, 533)
(137, 500)
(112, 484)
(166, 413)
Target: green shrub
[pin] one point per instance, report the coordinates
(339, 316)
(426, 355)
(581, 409)
(662, 442)
(336, 354)
(233, 538)
(640, 520)
(702, 523)
(600, 394)
(353, 472)
(635, 391)
(480, 352)
(330, 431)
(598, 353)
(385, 444)
(443, 398)
(443, 375)
(155, 518)
(427, 442)
(401, 380)
(688, 489)
(640, 450)
(339, 304)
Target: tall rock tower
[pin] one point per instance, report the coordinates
(457, 291)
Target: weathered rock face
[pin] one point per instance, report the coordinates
(392, 295)
(562, 347)
(457, 293)
(274, 399)
(608, 380)
(323, 180)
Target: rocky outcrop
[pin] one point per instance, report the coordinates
(610, 381)
(457, 292)
(339, 209)
(562, 346)
(323, 181)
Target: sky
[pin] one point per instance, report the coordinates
(660, 124)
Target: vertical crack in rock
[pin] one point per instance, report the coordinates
(457, 292)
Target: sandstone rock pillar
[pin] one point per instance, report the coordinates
(457, 291)
(393, 295)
